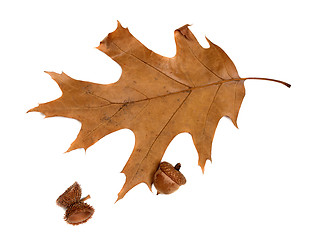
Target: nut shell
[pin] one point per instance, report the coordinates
(173, 173)
(78, 213)
(167, 178)
(70, 196)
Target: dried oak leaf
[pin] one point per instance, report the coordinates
(156, 97)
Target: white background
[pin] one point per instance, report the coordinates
(258, 186)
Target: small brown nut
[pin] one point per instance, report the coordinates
(167, 178)
(70, 196)
(78, 213)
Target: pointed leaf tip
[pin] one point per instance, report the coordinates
(35, 109)
(202, 164)
(118, 198)
(234, 121)
(31, 110)
(52, 74)
(119, 25)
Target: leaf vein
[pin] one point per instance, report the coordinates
(204, 64)
(206, 116)
(151, 66)
(160, 134)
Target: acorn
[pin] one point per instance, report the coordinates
(167, 178)
(70, 196)
(78, 213)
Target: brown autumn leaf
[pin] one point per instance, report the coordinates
(156, 97)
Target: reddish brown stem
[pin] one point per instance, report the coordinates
(85, 198)
(268, 79)
(177, 166)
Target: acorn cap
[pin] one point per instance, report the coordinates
(70, 196)
(78, 213)
(173, 172)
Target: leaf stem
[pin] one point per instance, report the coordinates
(267, 79)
